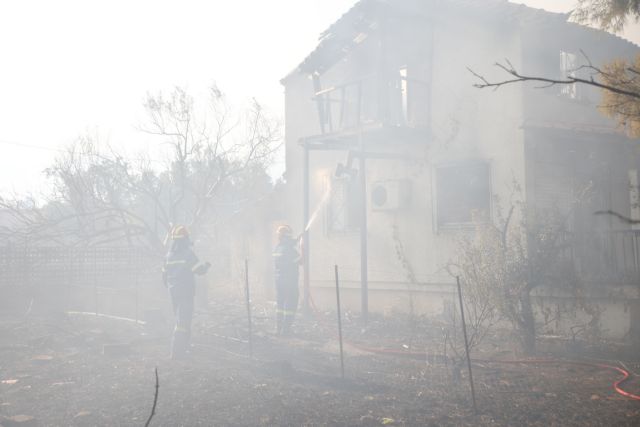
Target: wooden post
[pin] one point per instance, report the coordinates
(339, 322)
(248, 297)
(466, 346)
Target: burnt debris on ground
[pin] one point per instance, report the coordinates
(85, 370)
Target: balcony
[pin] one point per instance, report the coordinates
(393, 108)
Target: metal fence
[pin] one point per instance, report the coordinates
(607, 258)
(113, 267)
(114, 281)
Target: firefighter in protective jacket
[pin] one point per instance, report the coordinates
(180, 267)
(286, 259)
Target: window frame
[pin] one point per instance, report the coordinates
(350, 227)
(437, 188)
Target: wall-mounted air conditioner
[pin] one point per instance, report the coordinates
(390, 195)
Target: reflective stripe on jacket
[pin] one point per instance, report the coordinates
(178, 267)
(286, 258)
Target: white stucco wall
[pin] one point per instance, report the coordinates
(466, 124)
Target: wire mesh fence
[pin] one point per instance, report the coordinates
(113, 267)
(121, 281)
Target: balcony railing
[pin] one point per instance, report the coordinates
(373, 101)
(608, 258)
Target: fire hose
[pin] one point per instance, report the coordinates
(617, 385)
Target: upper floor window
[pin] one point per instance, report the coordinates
(570, 67)
(463, 193)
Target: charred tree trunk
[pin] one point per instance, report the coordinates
(528, 323)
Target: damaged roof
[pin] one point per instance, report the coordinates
(342, 35)
(364, 18)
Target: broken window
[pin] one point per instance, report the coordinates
(409, 97)
(463, 193)
(397, 98)
(569, 68)
(404, 95)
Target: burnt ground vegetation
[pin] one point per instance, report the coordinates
(82, 370)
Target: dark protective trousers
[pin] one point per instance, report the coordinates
(287, 300)
(182, 301)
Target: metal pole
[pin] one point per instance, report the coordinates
(137, 294)
(95, 279)
(466, 346)
(339, 322)
(305, 221)
(364, 280)
(248, 296)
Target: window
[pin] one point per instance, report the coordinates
(343, 207)
(404, 93)
(410, 97)
(463, 193)
(569, 68)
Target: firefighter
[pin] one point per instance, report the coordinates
(286, 259)
(180, 267)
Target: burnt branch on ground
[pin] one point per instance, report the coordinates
(155, 400)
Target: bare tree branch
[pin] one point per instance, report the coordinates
(519, 78)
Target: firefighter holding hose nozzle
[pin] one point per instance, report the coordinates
(287, 259)
(178, 274)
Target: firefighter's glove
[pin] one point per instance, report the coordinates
(202, 268)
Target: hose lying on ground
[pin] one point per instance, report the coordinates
(617, 385)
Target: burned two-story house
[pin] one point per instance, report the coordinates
(392, 153)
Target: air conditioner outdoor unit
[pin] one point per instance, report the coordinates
(390, 195)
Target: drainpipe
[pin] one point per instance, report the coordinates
(305, 222)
